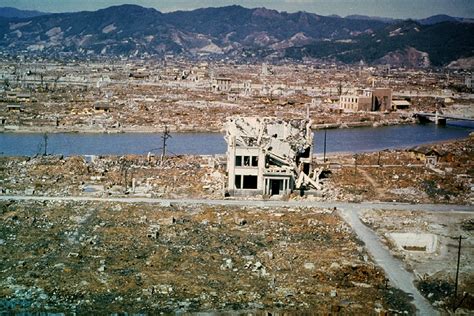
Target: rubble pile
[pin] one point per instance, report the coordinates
(177, 176)
(389, 175)
(42, 175)
(408, 175)
(79, 257)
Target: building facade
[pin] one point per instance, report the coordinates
(221, 84)
(268, 156)
(373, 99)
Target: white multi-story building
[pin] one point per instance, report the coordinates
(268, 156)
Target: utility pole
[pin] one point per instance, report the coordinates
(125, 171)
(378, 160)
(166, 135)
(45, 138)
(355, 164)
(457, 276)
(324, 157)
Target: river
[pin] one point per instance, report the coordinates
(337, 140)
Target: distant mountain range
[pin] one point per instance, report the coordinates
(8, 12)
(238, 33)
(427, 21)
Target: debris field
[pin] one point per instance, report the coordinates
(80, 257)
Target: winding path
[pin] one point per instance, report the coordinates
(379, 191)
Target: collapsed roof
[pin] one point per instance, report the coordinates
(287, 144)
(287, 137)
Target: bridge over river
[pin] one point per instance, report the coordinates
(439, 118)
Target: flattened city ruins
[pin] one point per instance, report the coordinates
(236, 161)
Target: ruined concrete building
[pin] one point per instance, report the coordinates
(268, 156)
(221, 84)
(373, 99)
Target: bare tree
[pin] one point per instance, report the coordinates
(166, 135)
(45, 140)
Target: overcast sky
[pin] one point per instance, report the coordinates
(385, 8)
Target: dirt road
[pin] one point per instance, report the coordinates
(394, 270)
(259, 203)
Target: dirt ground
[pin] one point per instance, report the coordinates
(436, 268)
(404, 176)
(177, 176)
(79, 257)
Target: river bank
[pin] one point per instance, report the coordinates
(196, 129)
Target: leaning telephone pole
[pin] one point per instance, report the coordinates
(166, 135)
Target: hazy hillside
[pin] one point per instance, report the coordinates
(9, 12)
(241, 33)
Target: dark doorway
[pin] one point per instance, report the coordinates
(275, 186)
(376, 104)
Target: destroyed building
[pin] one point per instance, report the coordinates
(221, 84)
(269, 156)
(374, 99)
